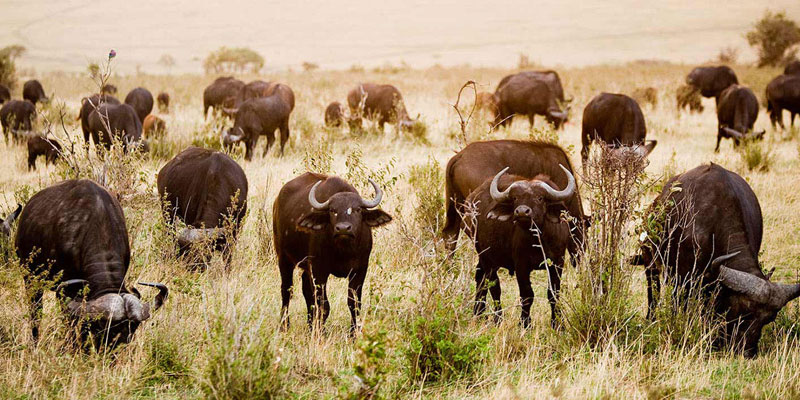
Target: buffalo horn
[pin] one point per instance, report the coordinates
(733, 133)
(560, 115)
(163, 292)
(378, 196)
(496, 194)
(312, 199)
(63, 285)
(559, 195)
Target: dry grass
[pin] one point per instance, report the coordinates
(217, 334)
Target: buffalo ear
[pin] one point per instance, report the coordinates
(376, 218)
(554, 211)
(501, 211)
(313, 221)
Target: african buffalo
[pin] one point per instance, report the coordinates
(73, 234)
(617, 120)
(646, 95)
(141, 100)
(217, 92)
(259, 89)
(257, 117)
(34, 92)
(711, 240)
(321, 224)
(335, 114)
(689, 96)
(479, 161)
(783, 93)
(528, 94)
(88, 105)
(16, 117)
(792, 68)
(737, 110)
(711, 81)
(382, 103)
(5, 94)
(115, 120)
(108, 89)
(153, 126)
(516, 224)
(41, 146)
(163, 102)
(206, 190)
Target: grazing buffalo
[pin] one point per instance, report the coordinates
(259, 89)
(480, 161)
(737, 110)
(163, 102)
(34, 92)
(382, 103)
(516, 224)
(115, 121)
(73, 234)
(206, 190)
(711, 240)
(223, 88)
(648, 95)
(321, 224)
(154, 126)
(792, 68)
(17, 118)
(335, 114)
(41, 146)
(141, 100)
(5, 94)
(88, 105)
(485, 101)
(528, 94)
(617, 120)
(688, 96)
(257, 117)
(783, 93)
(108, 89)
(711, 81)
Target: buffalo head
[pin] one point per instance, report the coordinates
(344, 213)
(529, 202)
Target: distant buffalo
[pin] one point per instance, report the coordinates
(688, 96)
(206, 190)
(34, 92)
(737, 110)
(530, 94)
(335, 114)
(381, 103)
(617, 120)
(783, 93)
(259, 89)
(792, 68)
(485, 101)
(163, 102)
(711, 240)
(123, 123)
(5, 94)
(141, 100)
(257, 117)
(223, 88)
(72, 239)
(16, 117)
(322, 224)
(88, 105)
(154, 127)
(41, 146)
(108, 89)
(646, 95)
(712, 81)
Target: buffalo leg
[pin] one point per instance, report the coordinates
(719, 137)
(32, 161)
(525, 296)
(284, 135)
(653, 290)
(270, 141)
(308, 295)
(322, 306)
(287, 269)
(354, 287)
(554, 289)
(480, 289)
(791, 120)
(494, 289)
(248, 148)
(34, 308)
(530, 119)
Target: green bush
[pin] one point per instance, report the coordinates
(772, 35)
(428, 183)
(238, 59)
(370, 370)
(756, 156)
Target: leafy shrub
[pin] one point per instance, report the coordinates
(772, 35)
(358, 172)
(728, 55)
(238, 59)
(317, 157)
(370, 370)
(428, 183)
(8, 68)
(756, 156)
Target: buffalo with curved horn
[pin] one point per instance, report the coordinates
(75, 231)
(737, 110)
(518, 228)
(323, 225)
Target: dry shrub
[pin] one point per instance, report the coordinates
(756, 155)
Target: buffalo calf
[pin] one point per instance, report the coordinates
(41, 146)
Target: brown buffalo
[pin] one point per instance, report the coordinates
(41, 146)
(335, 114)
(647, 95)
(17, 117)
(223, 88)
(154, 127)
(5, 94)
(783, 93)
(257, 117)
(163, 102)
(737, 110)
(116, 121)
(141, 100)
(712, 81)
(88, 105)
(530, 94)
(381, 103)
(34, 92)
(617, 120)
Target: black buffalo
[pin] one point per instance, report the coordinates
(163, 102)
(17, 118)
(480, 161)
(88, 105)
(321, 224)
(711, 240)
(34, 92)
(378, 102)
(615, 119)
(5, 94)
(335, 114)
(41, 146)
(115, 121)
(257, 117)
(711, 81)
(222, 89)
(516, 224)
(737, 110)
(73, 235)
(530, 94)
(141, 100)
(108, 89)
(792, 68)
(783, 93)
(206, 190)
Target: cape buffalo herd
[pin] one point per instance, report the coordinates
(518, 201)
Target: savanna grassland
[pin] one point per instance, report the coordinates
(217, 335)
